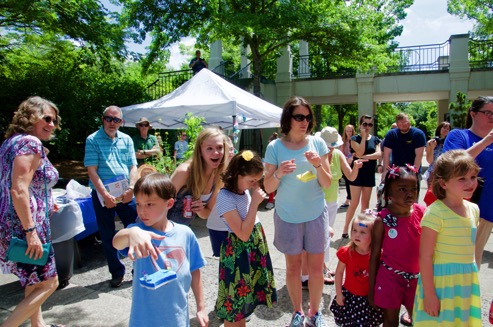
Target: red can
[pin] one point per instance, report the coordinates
(187, 206)
(491, 312)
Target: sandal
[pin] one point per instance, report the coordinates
(406, 320)
(328, 279)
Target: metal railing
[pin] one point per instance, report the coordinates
(167, 82)
(481, 54)
(432, 57)
(317, 67)
(421, 58)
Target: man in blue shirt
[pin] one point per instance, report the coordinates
(197, 63)
(109, 154)
(405, 144)
(181, 146)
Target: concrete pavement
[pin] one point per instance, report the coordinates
(89, 301)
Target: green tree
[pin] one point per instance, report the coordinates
(86, 22)
(459, 110)
(352, 34)
(480, 11)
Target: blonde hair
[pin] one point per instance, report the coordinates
(368, 218)
(28, 114)
(197, 180)
(344, 136)
(146, 169)
(453, 163)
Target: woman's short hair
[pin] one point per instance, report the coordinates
(477, 105)
(362, 118)
(29, 113)
(155, 183)
(287, 113)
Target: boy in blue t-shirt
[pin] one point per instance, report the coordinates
(157, 243)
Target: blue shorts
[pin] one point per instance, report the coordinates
(311, 236)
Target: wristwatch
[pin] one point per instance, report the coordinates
(29, 230)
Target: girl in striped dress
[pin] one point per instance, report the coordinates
(448, 286)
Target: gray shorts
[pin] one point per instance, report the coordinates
(310, 236)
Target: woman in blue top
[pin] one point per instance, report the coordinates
(300, 218)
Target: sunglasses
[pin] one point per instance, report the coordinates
(48, 120)
(367, 125)
(144, 125)
(110, 119)
(300, 117)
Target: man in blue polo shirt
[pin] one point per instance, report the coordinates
(109, 154)
(405, 144)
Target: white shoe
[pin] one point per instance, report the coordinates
(269, 205)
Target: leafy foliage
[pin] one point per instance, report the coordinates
(479, 10)
(459, 110)
(354, 33)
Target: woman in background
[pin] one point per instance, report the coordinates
(349, 132)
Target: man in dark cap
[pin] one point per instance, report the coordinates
(145, 144)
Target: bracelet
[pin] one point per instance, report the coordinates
(276, 177)
(316, 167)
(29, 230)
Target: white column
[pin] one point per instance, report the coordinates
(244, 61)
(365, 94)
(216, 58)
(283, 76)
(304, 66)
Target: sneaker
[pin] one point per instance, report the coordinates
(316, 321)
(297, 320)
(304, 284)
(269, 205)
(116, 282)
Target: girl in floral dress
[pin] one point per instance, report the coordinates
(246, 277)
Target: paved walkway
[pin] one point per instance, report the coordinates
(89, 301)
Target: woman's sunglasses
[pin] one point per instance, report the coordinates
(367, 125)
(300, 117)
(110, 119)
(144, 125)
(48, 120)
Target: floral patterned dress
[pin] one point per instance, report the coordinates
(18, 145)
(246, 277)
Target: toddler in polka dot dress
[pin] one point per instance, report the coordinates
(350, 306)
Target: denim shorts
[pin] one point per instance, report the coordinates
(311, 236)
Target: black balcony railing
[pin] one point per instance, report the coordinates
(421, 58)
(432, 57)
(481, 54)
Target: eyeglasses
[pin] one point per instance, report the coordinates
(144, 125)
(48, 120)
(367, 125)
(300, 117)
(487, 113)
(110, 119)
(184, 135)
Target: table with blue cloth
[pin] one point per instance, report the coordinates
(88, 216)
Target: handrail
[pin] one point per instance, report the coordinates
(410, 59)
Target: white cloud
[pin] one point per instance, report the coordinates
(428, 22)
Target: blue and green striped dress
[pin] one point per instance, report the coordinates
(455, 273)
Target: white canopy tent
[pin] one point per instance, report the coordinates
(210, 96)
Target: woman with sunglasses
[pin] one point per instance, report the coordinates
(26, 179)
(363, 146)
(297, 166)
